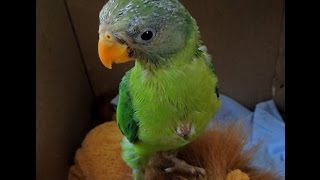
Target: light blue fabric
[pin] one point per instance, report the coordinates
(264, 125)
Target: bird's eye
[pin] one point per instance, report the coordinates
(147, 35)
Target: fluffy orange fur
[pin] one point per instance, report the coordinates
(219, 151)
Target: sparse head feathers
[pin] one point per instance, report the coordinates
(166, 23)
(115, 9)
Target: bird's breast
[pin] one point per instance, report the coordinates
(174, 106)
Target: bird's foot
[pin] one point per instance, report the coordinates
(181, 166)
(137, 174)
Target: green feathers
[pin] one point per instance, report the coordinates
(165, 97)
(126, 119)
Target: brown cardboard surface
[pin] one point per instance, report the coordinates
(63, 94)
(85, 17)
(242, 36)
(279, 79)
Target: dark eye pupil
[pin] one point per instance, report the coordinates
(147, 35)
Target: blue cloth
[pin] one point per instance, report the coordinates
(264, 125)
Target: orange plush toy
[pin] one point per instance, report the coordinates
(219, 151)
(99, 158)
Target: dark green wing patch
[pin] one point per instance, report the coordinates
(126, 120)
(217, 91)
(207, 58)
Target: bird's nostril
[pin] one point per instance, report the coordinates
(108, 36)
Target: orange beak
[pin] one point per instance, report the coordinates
(110, 51)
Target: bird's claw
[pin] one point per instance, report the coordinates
(183, 167)
(195, 171)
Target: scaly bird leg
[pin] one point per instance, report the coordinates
(183, 167)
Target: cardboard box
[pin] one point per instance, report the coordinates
(246, 39)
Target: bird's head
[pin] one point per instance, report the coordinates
(150, 31)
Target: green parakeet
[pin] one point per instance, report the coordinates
(168, 98)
